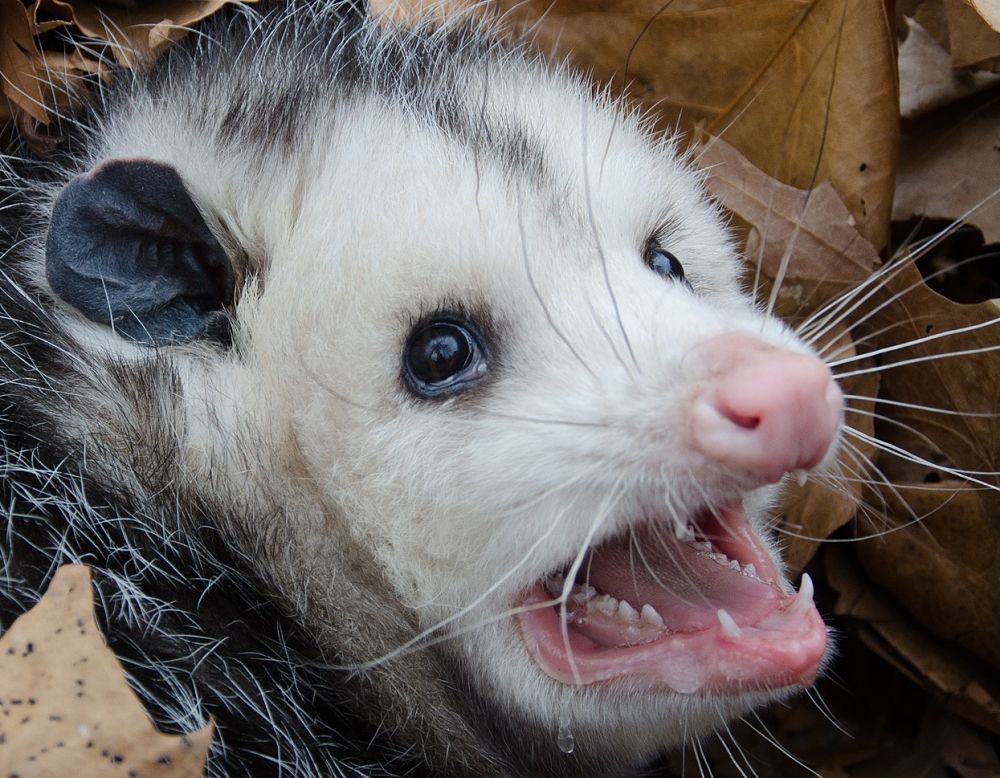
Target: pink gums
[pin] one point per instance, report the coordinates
(779, 640)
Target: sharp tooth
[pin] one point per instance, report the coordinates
(650, 615)
(801, 476)
(804, 598)
(554, 585)
(729, 627)
(685, 535)
(734, 565)
(582, 594)
(604, 604)
(750, 570)
(627, 612)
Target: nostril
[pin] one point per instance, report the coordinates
(744, 421)
(764, 411)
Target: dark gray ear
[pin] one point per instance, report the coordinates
(127, 247)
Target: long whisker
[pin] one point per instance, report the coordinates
(538, 295)
(891, 448)
(896, 423)
(869, 337)
(817, 700)
(588, 196)
(915, 342)
(419, 641)
(602, 513)
(917, 360)
(729, 753)
(917, 407)
(890, 271)
(766, 735)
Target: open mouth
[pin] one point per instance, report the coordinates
(703, 612)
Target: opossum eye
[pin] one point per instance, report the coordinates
(443, 357)
(664, 263)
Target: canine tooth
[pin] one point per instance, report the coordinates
(605, 604)
(650, 615)
(582, 594)
(627, 612)
(801, 476)
(685, 535)
(804, 598)
(729, 626)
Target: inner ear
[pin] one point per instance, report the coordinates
(127, 247)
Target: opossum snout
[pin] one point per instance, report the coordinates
(763, 411)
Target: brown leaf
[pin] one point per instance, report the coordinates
(989, 10)
(806, 89)
(22, 78)
(964, 684)
(972, 40)
(139, 33)
(810, 230)
(67, 708)
(825, 108)
(950, 165)
(928, 81)
(946, 571)
(944, 355)
(966, 751)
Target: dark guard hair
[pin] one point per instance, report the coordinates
(199, 630)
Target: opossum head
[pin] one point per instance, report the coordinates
(484, 331)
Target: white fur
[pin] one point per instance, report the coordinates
(378, 218)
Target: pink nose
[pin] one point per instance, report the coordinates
(764, 411)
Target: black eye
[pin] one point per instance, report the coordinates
(664, 263)
(442, 358)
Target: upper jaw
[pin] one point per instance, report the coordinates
(700, 608)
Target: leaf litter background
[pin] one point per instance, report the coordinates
(857, 145)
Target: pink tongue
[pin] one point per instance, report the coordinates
(685, 586)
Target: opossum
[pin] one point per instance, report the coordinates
(403, 392)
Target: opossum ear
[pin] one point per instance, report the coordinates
(128, 247)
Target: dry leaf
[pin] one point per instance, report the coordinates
(805, 89)
(967, 688)
(950, 165)
(989, 10)
(945, 572)
(825, 109)
(22, 77)
(972, 42)
(928, 81)
(813, 228)
(139, 33)
(963, 562)
(67, 709)
(35, 79)
(942, 372)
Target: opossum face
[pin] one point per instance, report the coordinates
(515, 365)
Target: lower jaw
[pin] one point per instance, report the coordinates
(784, 649)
